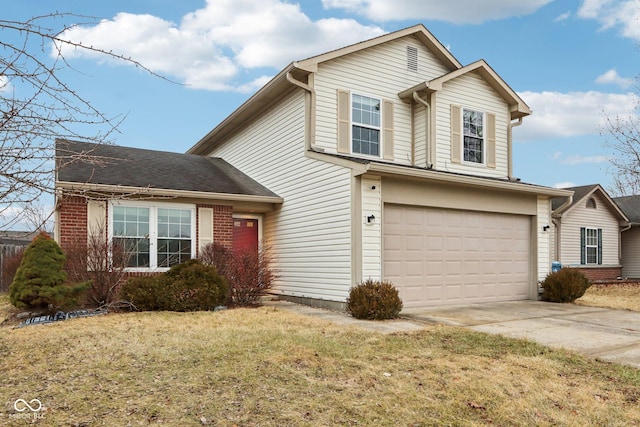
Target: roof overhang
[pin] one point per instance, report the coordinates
(465, 180)
(84, 188)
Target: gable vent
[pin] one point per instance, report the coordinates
(412, 58)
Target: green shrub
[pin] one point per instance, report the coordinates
(40, 281)
(374, 300)
(189, 286)
(146, 293)
(565, 285)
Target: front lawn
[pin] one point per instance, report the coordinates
(270, 367)
(624, 296)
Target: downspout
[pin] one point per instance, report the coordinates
(428, 125)
(556, 219)
(310, 139)
(510, 148)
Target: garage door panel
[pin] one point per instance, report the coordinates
(443, 256)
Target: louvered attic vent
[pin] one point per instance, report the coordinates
(412, 58)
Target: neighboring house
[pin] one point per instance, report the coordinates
(587, 233)
(12, 242)
(163, 206)
(394, 162)
(630, 205)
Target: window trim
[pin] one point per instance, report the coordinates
(153, 229)
(584, 231)
(484, 137)
(379, 128)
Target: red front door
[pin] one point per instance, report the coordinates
(245, 234)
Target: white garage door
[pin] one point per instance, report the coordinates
(444, 256)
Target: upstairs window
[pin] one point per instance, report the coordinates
(473, 136)
(365, 125)
(591, 203)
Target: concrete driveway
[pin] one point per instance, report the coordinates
(612, 335)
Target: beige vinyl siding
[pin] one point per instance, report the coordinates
(471, 91)
(631, 253)
(310, 235)
(371, 233)
(421, 129)
(545, 238)
(381, 72)
(579, 216)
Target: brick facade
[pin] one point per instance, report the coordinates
(602, 274)
(223, 225)
(72, 221)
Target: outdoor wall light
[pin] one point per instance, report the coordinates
(545, 227)
(371, 219)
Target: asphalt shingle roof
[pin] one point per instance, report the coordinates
(578, 194)
(630, 205)
(83, 162)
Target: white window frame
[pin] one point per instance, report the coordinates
(587, 245)
(463, 135)
(365, 125)
(153, 229)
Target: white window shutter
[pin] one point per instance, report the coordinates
(456, 134)
(344, 107)
(491, 140)
(387, 124)
(205, 227)
(96, 218)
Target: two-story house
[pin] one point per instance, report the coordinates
(392, 161)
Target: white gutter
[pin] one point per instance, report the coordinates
(417, 98)
(163, 192)
(310, 142)
(510, 147)
(471, 181)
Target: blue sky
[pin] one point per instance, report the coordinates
(574, 62)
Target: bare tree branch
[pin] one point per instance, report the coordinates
(37, 105)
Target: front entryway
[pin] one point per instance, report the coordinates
(245, 234)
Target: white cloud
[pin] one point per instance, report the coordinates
(579, 159)
(210, 46)
(612, 77)
(558, 114)
(565, 184)
(456, 11)
(563, 17)
(5, 84)
(623, 14)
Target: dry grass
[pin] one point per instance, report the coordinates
(270, 367)
(624, 296)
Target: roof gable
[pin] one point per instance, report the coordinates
(418, 31)
(581, 195)
(518, 108)
(111, 165)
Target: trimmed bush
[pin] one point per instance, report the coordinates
(40, 281)
(566, 285)
(374, 300)
(190, 286)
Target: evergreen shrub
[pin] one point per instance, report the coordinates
(565, 285)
